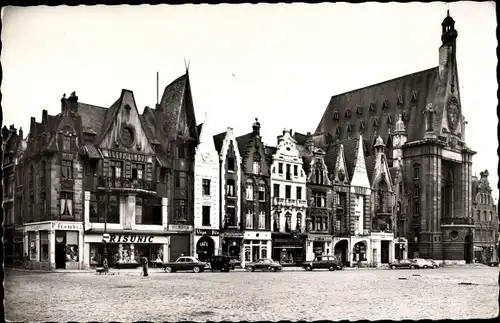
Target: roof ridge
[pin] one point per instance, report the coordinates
(386, 81)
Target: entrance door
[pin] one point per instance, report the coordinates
(255, 253)
(205, 248)
(60, 249)
(384, 252)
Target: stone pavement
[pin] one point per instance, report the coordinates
(239, 295)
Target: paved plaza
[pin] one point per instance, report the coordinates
(239, 295)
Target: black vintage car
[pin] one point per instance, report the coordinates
(222, 263)
(323, 262)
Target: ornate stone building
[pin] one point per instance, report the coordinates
(231, 234)
(289, 204)
(426, 153)
(255, 196)
(486, 220)
(92, 177)
(206, 190)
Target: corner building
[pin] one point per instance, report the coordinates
(427, 152)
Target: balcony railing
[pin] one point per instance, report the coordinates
(127, 184)
(457, 221)
(289, 202)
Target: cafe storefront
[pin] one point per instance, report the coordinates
(54, 244)
(319, 244)
(206, 242)
(125, 249)
(231, 245)
(289, 249)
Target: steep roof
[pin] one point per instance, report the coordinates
(371, 106)
(92, 117)
(331, 155)
(219, 140)
(243, 142)
(370, 167)
(171, 103)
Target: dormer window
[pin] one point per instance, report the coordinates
(359, 110)
(389, 119)
(335, 115)
(361, 125)
(372, 107)
(404, 115)
(349, 127)
(400, 100)
(413, 96)
(337, 131)
(347, 113)
(385, 105)
(376, 121)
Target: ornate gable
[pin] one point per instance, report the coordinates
(360, 175)
(125, 130)
(340, 174)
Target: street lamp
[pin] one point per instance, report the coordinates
(106, 208)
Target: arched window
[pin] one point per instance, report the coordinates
(299, 221)
(249, 190)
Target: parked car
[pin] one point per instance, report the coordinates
(323, 262)
(491, 263)
(263, 264)
(185, 264)
(422, 263)
(433, 263)
(403, 263)
(222, 263)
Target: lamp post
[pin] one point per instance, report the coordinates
(106, 207)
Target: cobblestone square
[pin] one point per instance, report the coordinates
(239, 295)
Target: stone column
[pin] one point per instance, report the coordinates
(52, 249)
(130, 214)
(164, 212)
(367, 212)
(391, 251)
(26, 244)
(166, 251)
(38, 246)
(81, 250)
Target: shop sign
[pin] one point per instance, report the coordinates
(67, 226)
(180, 227)
(321, 238)
(382, 235)
(126, 238)
(233, 234)
(207, 232)
(127, 156)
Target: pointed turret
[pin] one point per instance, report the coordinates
(360, 176)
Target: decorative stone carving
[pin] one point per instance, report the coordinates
(429, 114)
(453, 112)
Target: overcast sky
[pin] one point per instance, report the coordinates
(280, 63)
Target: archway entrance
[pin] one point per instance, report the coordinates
(205, 247)
(359, 252)
(341, 251)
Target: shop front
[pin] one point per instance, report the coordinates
(318, 245)
(289, 250)
(180, 240)
(257, 244)
(206, 243)
(54, 244)
(231, 244)
(125, 249)
(484, 253)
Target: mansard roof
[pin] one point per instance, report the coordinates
(388, 98)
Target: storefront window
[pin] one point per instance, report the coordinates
(264, 252)
(72, 246)
(32, 245)
(247, 253)
(44, 246)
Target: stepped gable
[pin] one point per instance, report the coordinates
(374, 109)
(219, 141)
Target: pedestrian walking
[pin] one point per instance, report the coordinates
(144, 261)
(27, 261)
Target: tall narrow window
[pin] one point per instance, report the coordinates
(66, 142)
(66, 204)
(262, 220)
(288, 222)
(295, 170)
(180, 151)
(115, 169)
(205, 215)
(280, 168)
(288, 173)
(180, 210)
(299, 222)
(66, 169)
(230, 163)
(138, 210)
(249, 190)
(262, 193)
(230, 188)
(180, 179)
(288, 191)
(256, 167)
(249, 219)
(325, 224)
(276, 190)
(206, 186)
(416, 172)
(137, 171)
(299, 193)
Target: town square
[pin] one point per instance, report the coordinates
(251, 162)
(444, 293)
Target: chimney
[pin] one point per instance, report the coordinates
(21, 132)
(73, 103)
(44, 116)
(63, 103)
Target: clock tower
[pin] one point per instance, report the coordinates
(399, 137)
